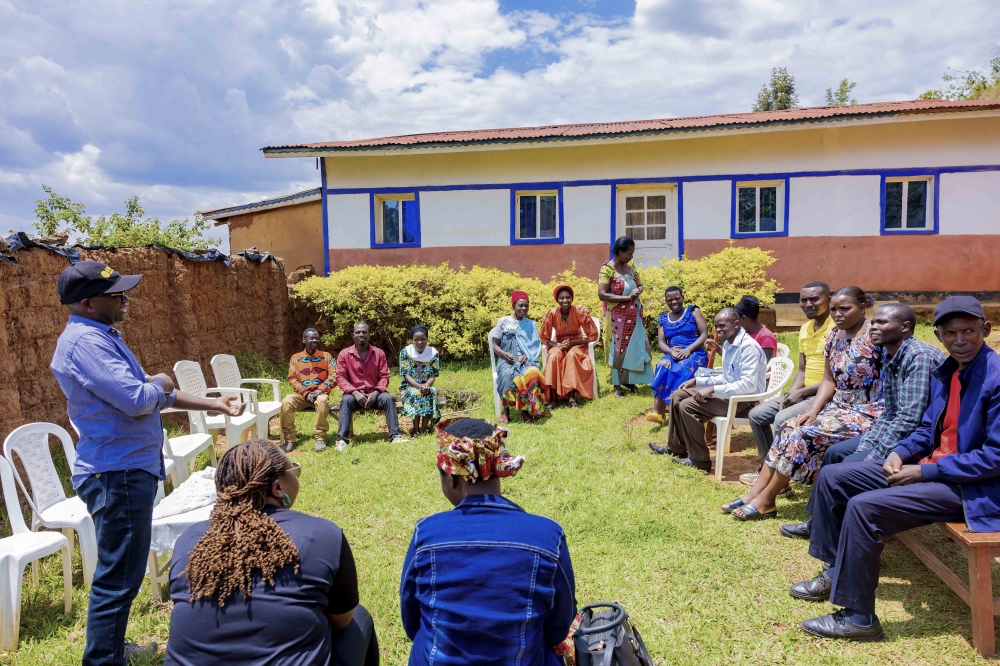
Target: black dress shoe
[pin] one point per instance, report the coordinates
(662, 450)
(837, 625)
(817, 589)
(797, 530)
(703, 466)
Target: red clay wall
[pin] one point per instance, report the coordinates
(180, 310)
(538, 261)
(877, 263)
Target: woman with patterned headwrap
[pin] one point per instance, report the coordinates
(569, 373)
(619, 287)
(520, 383)
(487, 582)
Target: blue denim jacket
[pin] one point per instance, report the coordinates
(487, 583)
(976, 465)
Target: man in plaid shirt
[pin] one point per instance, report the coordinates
(907, 367)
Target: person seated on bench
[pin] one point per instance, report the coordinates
(487, 582)
(363, 376)
(907, 364)
(744, 372)
(311, 375)
(947, 470)
(260, 583)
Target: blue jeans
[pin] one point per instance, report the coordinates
(121, 504)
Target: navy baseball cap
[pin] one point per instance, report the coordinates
(87, 279)
(958, 305)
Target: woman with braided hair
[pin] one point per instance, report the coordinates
(259, 583)
(485, 583)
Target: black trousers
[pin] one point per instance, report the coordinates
(384, 403)
(356, 644)
(844, 451)
(854, 505)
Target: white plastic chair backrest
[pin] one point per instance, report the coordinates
(227, 372)
(167, 451)
(17, 525)
(783, 350)
(191, 380)
(31, 444)
(779, 369)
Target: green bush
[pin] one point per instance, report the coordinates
(458, 307)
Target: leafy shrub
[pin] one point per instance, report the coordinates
(458, 307)
(713, 282)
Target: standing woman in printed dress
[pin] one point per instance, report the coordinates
(618, 287)
(419, 366)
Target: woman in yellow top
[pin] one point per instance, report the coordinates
(618, 286)
(569, 374)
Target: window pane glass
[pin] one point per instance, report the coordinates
(636, 233)
(635, 219)
(893, 205)
(916, 204)
(747, 209)
(656, 203)
(409, 209)
(656, 233)
(768, 209)
(656, 218)
(529, 217)
(634, 203)
(547, 217)
(390, 222)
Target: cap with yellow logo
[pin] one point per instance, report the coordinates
(87, 279)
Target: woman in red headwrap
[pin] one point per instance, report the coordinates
(519, 380)
(567, 330)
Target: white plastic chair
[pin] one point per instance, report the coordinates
(782, 350)
(16, 552)
(590, 351)
(779, 369)
(183, 450)
(227, 373)
(191, 380)
(497, 403)
(49, 505)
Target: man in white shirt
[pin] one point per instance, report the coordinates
(744, 371)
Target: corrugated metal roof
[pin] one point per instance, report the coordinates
(614, 130)
(265, 204)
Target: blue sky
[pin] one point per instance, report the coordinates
(173, 100)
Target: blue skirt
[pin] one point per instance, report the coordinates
(669, 374)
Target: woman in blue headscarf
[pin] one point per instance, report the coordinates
(519, 381)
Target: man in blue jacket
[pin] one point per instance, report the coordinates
(948, 469)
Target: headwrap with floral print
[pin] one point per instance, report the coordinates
(475, 459)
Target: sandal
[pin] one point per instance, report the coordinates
(572, 403)
(735, 504)
(527, 417)
(632, 388)
(504, 418)
(751, 512)
(618, 392)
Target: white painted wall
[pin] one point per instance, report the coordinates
(348, 219)
(707, 209)
(970, 203)
(458, 218)
(834, 206)
(587, 214)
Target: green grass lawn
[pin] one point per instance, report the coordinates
(702, 588)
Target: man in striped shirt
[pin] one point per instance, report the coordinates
(312, 374)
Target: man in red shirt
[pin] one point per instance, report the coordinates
(363, 376)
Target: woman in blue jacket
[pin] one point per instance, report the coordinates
(487, 582)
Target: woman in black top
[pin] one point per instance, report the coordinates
(261, 584)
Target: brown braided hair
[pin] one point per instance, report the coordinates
(241, 538)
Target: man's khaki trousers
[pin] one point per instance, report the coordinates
(293, 403)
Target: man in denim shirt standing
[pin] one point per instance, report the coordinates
(116, 407)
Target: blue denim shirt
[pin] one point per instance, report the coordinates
(109, 400)
(487, 583)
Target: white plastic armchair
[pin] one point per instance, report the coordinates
(227, 373)
(191, 380)
(16, 552)
(184, 450)
(782, 350)
(493, 366)
(49, 505)
(779, 369)
(590, 352)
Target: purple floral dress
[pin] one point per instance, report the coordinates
(857, 402)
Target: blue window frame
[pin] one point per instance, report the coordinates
(909, 205)
(536, 216)
(759, 208)
(395, 219)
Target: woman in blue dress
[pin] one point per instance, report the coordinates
(681, 336)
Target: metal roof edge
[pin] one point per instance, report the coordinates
(314, 194)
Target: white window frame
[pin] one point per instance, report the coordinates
(779, 207)
(646, 192)
(928, 204)
(538, 223)
(379, 199)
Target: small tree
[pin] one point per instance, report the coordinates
(779, 93)
(972, 84)
(57, 211)
(842, 95)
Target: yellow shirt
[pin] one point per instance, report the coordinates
(811, 344)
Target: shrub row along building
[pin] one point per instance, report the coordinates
(894, 196)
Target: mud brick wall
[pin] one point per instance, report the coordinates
(180, 310)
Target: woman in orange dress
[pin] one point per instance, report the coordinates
(569, 373)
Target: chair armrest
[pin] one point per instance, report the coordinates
(273, 383)
(249, 395)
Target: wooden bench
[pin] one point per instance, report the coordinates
(981, 547)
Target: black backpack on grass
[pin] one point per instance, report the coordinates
(608, 638)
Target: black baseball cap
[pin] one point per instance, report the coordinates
(958, 305)
(87, 279)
